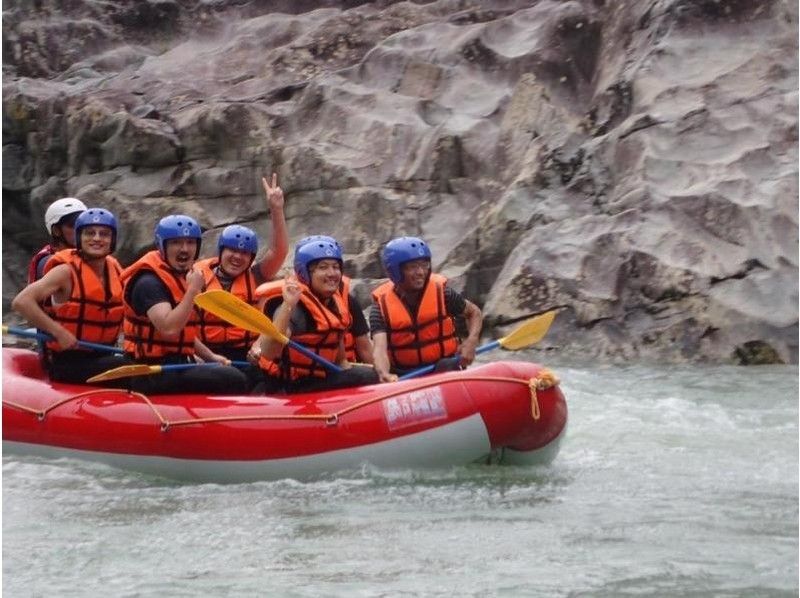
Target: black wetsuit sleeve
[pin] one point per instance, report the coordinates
(376, 322)
(299, 322)
(454, 302)
(147, 291)
(359, 326)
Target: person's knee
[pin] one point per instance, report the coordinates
(232, 381)
(448, 364)
(364, 375)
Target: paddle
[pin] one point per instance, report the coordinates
(141, 369)
(42, 336)
(232, 309)
(529, 332)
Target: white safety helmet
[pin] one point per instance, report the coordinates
(60, 208)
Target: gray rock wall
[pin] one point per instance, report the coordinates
(631, 162)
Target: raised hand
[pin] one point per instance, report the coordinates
(291, 289)
(194, 282)
(273, 192)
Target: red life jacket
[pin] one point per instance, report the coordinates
(33, 266)
(324, 341)
(422, 338)
(215, 332)
(93, 312)
(142, 339)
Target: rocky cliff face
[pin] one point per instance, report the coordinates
(632, 162)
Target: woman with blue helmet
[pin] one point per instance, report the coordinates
(86, 290)
(357, 344)
(308, 308)
(412, 315)
(161, 323)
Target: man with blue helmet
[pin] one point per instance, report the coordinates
(161, 321)
(308, 308)
(235, 269)
(230, 270)
(85, 289)
(412, 315)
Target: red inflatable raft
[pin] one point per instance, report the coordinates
(508, 412)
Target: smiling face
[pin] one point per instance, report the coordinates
(234, 261)
(180, 253)
(415, 274)
(326, 275)
(96, 241)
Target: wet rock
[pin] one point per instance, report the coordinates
(633, 164)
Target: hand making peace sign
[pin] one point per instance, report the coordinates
(274, 193)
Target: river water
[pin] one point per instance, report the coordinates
(671, 481)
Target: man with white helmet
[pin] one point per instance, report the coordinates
(86, 290)
(59, 221)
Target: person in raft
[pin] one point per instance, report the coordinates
(59, 221)
(86, 290)
(236, 270)
(357, 344)
(308, 308)
(412, 315)
(161, 322)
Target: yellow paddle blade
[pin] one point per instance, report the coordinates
(529, 332)
(235, 311)
(126, 371)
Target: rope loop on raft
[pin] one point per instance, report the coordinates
(42, 413)
(544, 380)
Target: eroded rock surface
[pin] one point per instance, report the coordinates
(631, 162)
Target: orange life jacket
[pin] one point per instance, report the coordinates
(344, 290)
(324, 341)
(93, 312)
(215, 332)
(142, 339)
(417, 339)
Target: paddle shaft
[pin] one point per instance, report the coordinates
(184, 366)
(328, 365)
(429, 368)
(42, 336)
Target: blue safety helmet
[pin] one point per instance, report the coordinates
(240, 238)
(96, 217)
(313, 251)
(401, 250)
(177, 226)
(310, 238)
